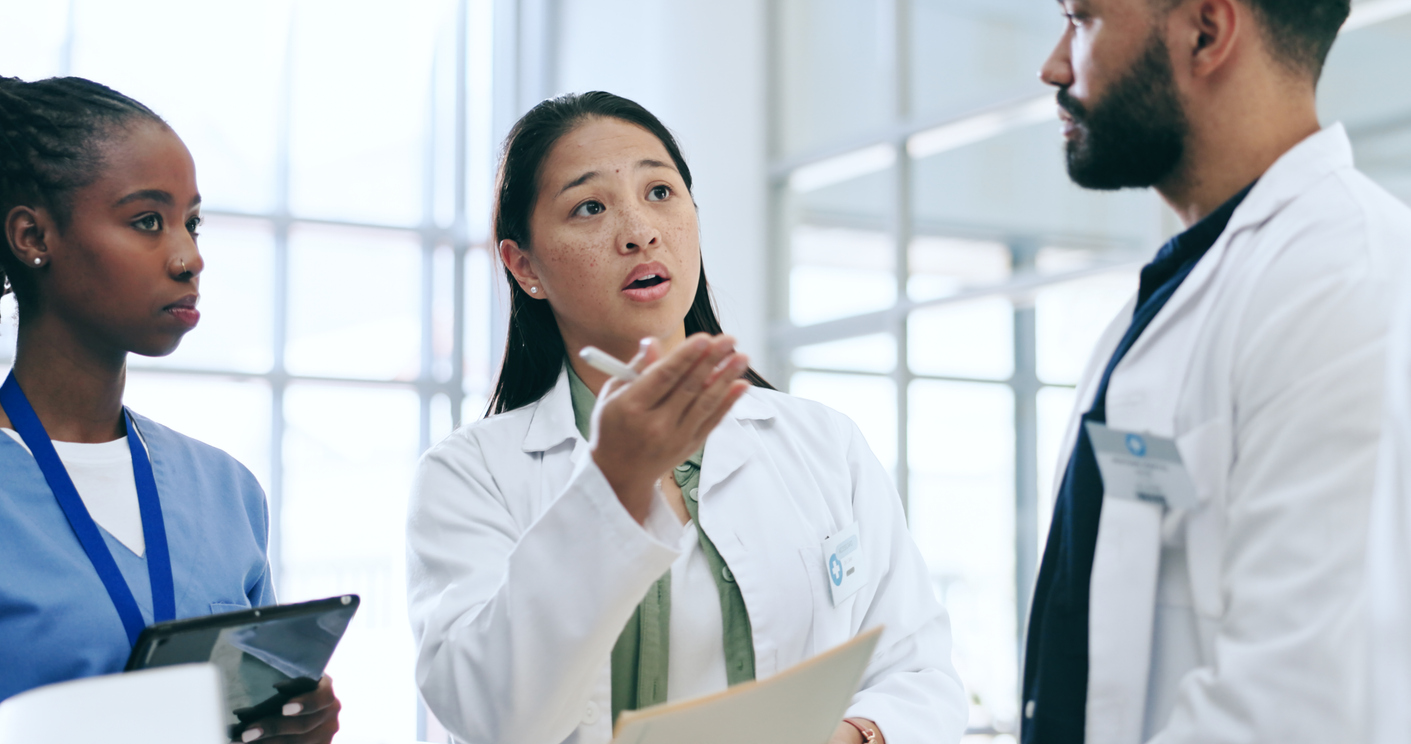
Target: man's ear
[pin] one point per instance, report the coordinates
(26, 233)
(516, 259)
(1211, 32)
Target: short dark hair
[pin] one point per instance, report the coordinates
(51, 132)
(534, 350)
(1300, 33)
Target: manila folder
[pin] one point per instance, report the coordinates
(801, 705)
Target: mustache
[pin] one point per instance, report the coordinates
(1073, 106)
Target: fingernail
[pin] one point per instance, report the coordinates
(293, 709)
(252, 734)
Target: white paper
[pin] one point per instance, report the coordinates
(801, 705)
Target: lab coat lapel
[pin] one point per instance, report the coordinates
(552, 423)
(738, 510)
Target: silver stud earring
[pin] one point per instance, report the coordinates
(38, 260)
(532, 290)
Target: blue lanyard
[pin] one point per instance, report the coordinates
(154, 532)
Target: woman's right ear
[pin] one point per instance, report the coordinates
(25, 236)
(516, 259)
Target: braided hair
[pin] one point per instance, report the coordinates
(51, 133)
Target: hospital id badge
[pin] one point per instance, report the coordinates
(1141, 467)
(847, 570)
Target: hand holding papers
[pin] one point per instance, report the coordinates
(801, 705)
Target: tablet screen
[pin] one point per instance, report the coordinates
(266, 656)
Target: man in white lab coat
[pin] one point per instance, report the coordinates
(1202, 580)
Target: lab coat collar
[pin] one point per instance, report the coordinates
(1291, 175)
(552, 420)
(552, 423)
(733, 442)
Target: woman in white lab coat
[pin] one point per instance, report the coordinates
(561, 573)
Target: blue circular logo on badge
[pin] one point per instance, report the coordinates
(1136, 445)
(835, 570)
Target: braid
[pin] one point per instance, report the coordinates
(50, 136)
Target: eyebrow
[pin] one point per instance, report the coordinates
(590, 175)
(156, 195)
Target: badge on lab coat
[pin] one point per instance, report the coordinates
(1141, 467)
(847, 570)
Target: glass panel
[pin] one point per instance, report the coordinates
(1055, 410)
(354, 303)
(1070, 319)
(1052, 260)
(964, 339)
(360, 84)
(349, 455)
(875, 353)
(969, 54)
(222, 98)
(961, 454)
(32, 39)
(941, 267)
(871, 402)
(443, 311)
(1017, 183)
(484, 286)
(482, 149)
(1363, 67)
(839, 272)
(233, 415)
(835, 56)
(237, 301)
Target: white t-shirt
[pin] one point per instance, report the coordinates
(102, 473)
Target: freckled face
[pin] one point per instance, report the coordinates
(125, 272)
(614, 238)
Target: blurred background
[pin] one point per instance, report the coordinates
(886, 221)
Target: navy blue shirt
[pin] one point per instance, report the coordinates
(1056, 651)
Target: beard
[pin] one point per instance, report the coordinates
(1135, 135)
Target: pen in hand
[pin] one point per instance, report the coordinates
(607, 364)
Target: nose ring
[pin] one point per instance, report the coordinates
(183, 266)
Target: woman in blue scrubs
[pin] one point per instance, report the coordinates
(110, 521)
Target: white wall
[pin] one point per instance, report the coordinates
(700, 66)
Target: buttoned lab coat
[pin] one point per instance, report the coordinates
(524, 567)
(1266, 367)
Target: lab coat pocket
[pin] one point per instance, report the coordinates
(1207, 451)
(832, 625)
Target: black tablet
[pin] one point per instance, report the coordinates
(266, 655)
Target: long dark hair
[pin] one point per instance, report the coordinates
(50, 137)
(534, 350)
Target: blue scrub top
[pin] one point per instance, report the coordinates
(56, 620)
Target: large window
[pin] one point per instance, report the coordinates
(343, 154)
(938, 278)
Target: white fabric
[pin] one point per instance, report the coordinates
(172, 705)
(1389, 546)
(102, 474)
(1267, 368)
(696, 653)
(523, 568)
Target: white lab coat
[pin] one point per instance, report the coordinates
(1266, 367)
(1389, 546)
(524, 568)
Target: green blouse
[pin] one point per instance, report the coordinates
(639, 660)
